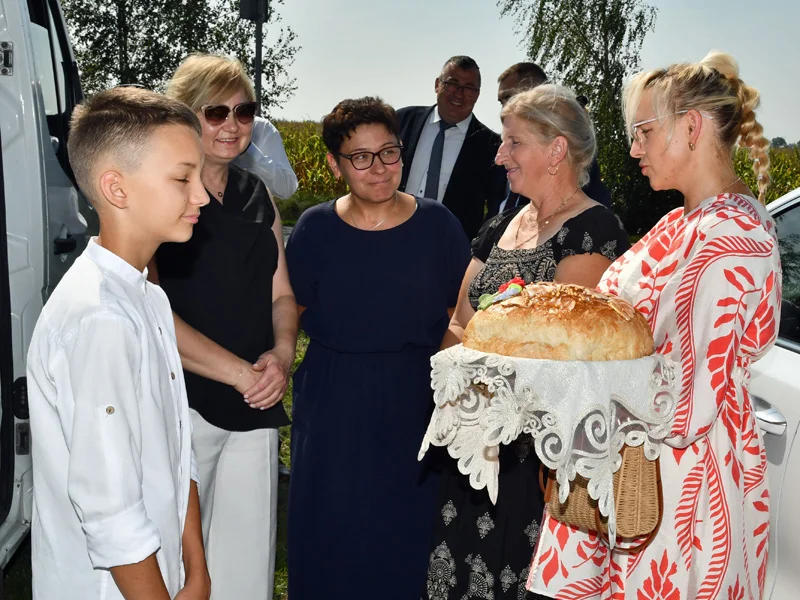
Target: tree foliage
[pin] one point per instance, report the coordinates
(143, 41)
(778, 142)
(593, 46)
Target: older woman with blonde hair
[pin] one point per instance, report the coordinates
(236, 324)
(707, 277)
(483, 550)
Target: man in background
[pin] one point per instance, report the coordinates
(449, 154)
(526, 76)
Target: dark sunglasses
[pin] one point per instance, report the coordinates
(217, 114)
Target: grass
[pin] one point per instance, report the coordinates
(17, 576)
(281, 568)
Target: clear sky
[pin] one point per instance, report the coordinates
(395, 49)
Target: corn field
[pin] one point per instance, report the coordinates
(784, 171)
(306, 152)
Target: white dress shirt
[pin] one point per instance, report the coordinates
(111, 432)
(266, 157)
(453, 140)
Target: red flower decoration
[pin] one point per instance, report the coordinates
(518, 280)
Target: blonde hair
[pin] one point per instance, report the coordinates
(713, 87)
(204, 78)
(552, 111)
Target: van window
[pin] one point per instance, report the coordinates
(44, 67)
(58, 73)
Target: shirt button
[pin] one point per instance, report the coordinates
(159, 331)
(109, 410)
(171, 374)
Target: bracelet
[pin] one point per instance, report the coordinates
(239, 377)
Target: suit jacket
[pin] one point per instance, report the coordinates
(475, 182)
(595, 189)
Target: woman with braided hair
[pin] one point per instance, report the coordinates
(707, 277)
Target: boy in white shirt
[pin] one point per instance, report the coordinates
(115, 504)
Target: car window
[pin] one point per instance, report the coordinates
(788, 223)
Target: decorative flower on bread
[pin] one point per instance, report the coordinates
(508, 290)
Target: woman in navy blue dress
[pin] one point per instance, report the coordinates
(375, 274)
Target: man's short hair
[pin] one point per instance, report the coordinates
(118, 122)
(529, 74)
(463, 62)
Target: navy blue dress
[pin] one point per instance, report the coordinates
(361, 507)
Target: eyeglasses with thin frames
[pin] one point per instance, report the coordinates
(453, 87)
(635, 126)
(364, 159)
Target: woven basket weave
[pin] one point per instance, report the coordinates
(637, 498)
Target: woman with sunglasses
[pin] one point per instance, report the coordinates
(376, 273)
(236, 324)
(707, 277)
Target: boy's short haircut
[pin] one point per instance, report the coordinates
(118, 122)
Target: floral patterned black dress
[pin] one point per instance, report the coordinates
(481, 550)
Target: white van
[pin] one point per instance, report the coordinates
(44, 221)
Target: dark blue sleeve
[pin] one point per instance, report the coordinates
(596, 189)
(459, 257)
(301, 261)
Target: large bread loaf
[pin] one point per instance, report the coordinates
(561, 322)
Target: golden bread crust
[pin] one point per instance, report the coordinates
(561, 322)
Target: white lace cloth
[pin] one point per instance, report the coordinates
(578, 413)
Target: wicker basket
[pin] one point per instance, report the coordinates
(637, 498)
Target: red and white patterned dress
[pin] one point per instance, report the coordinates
(709, 284)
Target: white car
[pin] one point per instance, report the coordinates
(775, 389)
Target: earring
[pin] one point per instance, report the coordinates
(553, 172)
(691, 146)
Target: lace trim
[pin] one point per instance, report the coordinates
(579, 415)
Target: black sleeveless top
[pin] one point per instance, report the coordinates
(220, 283)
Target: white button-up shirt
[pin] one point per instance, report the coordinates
(453, 140)
(111, 432)
(266, 157)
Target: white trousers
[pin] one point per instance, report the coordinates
(239, 508)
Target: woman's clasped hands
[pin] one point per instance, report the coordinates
(264, 383)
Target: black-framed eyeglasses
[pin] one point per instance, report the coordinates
(217, 114)
(363, 160)
(467, 90)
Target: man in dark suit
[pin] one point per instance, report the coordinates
(448, 154)
(526, 76)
